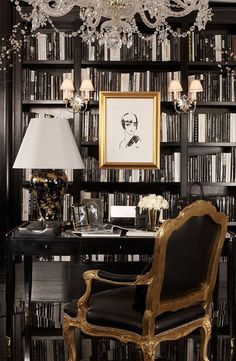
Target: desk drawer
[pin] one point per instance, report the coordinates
(74, 246)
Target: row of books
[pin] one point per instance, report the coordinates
(142, 50)
(169, 127)
(224, 348)
(217, 86)
(46, 314)
(130, 81)
(227, 204)
(222, 316)
(169, 171)
(212, 127)
(30, 208)
(48, 46)
(127, 199)
(218, 167)
(89, 126)
(189, 349)
(100, 349)
(211, 47)
(48, 349)
(95, 258)
(42, 85)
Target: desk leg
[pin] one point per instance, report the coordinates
(231, 294)
(28, 269)
(10, 293)
(27, 286)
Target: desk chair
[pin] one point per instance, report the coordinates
(166, 302)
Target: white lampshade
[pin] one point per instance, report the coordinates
(49, 144)
(86, 85)
(67, 84)
(175, 86)
(195, 86)
(68, 89)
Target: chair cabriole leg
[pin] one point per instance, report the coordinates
(69, 337)
(205, 333)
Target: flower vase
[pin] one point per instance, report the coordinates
(153, 219)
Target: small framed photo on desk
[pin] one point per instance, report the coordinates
(80, 215)
(94, 211)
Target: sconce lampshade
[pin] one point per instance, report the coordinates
(49, 147)
(195, 86)
(175, 86)
(86, 85)
(68, 88)
(67, 84)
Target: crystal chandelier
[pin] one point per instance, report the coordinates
(114, 21)
(111, 22)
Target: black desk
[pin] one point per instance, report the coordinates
(63, 245)
(67, 244)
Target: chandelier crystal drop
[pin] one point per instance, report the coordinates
(114, 21)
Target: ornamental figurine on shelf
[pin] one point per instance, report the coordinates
(154, 205)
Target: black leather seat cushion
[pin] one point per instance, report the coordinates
(115, 308)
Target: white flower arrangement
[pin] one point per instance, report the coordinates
(153, 201)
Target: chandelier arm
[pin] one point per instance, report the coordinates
(187, 8)
(60, 7)
(90, 19)
(151, 25)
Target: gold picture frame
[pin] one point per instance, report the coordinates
(129, 130)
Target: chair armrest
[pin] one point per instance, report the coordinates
(112, 279)
(115, 277)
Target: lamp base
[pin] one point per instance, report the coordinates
(49, 187)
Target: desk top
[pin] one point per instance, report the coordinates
(67, 243)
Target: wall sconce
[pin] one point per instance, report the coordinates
(77, 103)
(185, 103)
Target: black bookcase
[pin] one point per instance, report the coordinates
(187, 65)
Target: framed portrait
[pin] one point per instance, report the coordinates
(94, 211)
(129, 129)
(80, 216)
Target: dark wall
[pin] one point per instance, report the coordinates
(5, 128)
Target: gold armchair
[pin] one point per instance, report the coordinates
(168, 301)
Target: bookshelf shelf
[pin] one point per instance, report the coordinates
(217, 104)
(218, 184)
(49, 63)
(210, 64)
(163, 65)
(135, 187)
(162, 144)
(211, 144)
(44, 102)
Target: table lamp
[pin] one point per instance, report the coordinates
(48, 148)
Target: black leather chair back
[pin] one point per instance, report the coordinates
(188, 255)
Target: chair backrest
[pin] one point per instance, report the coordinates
(186, 257)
